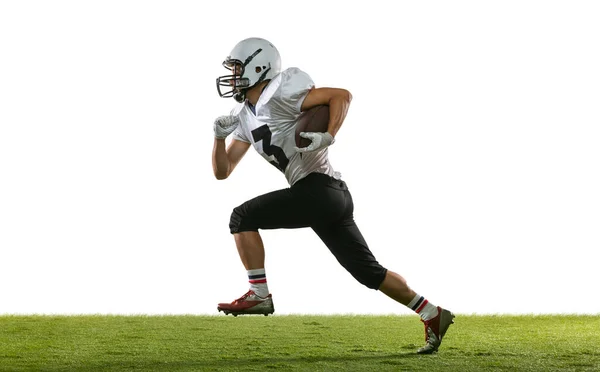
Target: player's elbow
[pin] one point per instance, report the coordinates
(340, 95)
(221, 173)
(221, 176)
(347, 96)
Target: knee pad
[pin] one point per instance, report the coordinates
(239, 220)
(236, 220)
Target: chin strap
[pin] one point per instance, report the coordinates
(240, 97)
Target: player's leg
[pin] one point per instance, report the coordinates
(349, 247)
(251, 249)
(245, 221)
(286, 208)
(436, 320)
(396, 288)
(347, 244)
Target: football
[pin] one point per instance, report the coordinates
(315, 119)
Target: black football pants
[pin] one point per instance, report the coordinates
(324, 204)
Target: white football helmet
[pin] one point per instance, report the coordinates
(251, 61)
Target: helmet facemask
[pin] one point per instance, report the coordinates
(236, 81)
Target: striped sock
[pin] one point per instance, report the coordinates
(424, 308)
(258, 282)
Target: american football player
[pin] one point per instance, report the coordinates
(269, 103)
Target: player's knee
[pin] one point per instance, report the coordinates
(370, 277)
(237, 216)
(240, 220)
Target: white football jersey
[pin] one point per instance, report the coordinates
(271, 130)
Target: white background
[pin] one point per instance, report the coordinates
(471, 149)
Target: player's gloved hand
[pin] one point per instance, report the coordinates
(318, 141)
(225, 125)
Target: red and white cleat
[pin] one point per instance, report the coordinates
(250, 303)
(435, 329)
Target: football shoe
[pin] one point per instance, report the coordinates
(435, 329)
(249, 303)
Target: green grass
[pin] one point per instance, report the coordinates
(310, 343)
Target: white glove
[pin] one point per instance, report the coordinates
(225, 125)
(318, 141)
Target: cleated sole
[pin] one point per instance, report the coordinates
(236, 313)
(262, 308)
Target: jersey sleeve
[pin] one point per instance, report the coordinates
(238, 133)
(294, 87)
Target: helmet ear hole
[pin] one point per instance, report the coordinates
(258, 69)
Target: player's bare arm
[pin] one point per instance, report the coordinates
(338, 101)
(225, 159)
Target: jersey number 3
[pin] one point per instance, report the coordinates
(263, 133)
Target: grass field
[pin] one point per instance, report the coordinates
(310, 343)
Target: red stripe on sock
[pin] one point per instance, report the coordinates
(257, 281)
(422, 306)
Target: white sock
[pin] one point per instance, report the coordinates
(258, 282)
(424, 308)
